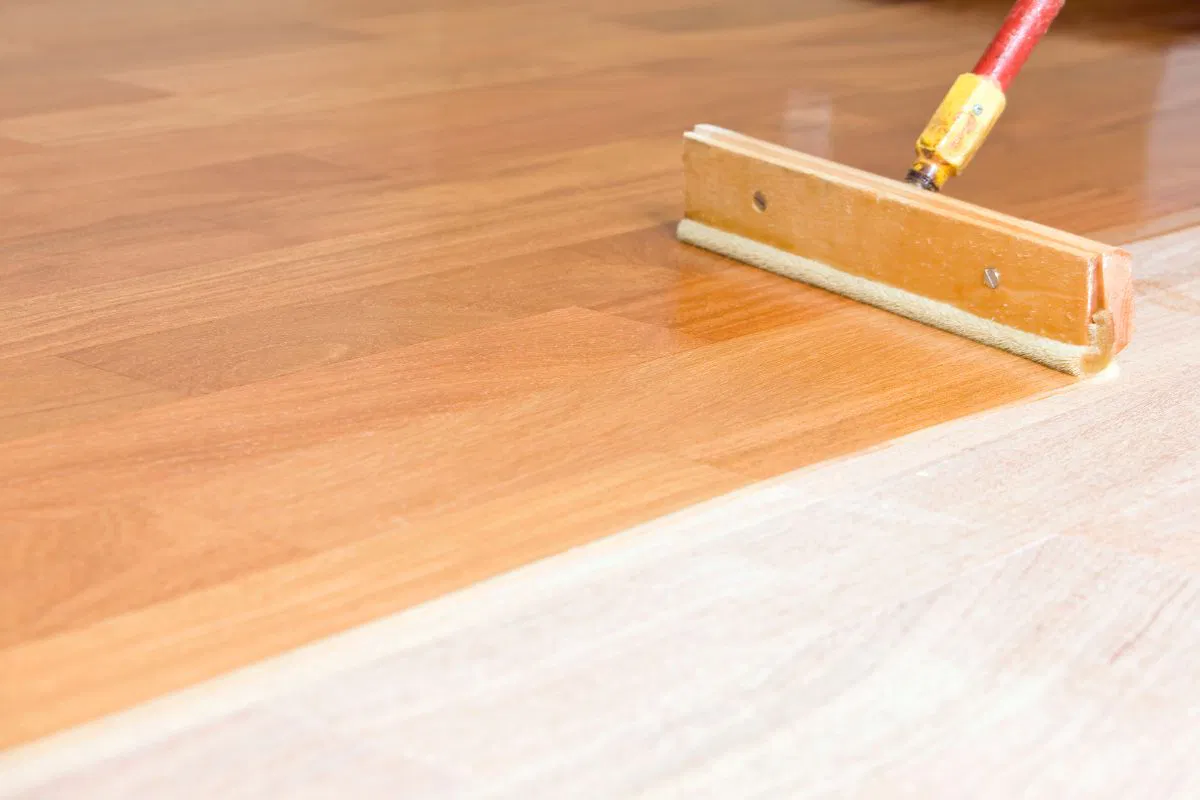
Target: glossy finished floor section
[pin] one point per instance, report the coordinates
(313, 311)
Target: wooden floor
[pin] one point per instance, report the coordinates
(1002, 606)
(312, 311)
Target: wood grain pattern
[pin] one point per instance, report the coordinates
(1001, 606)
(297, 295)
(46, 393)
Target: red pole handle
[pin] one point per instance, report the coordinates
(1026, 24)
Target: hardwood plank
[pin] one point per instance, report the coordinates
(64, 22)
(11, 147)
(246, 348)
(25, 95)
(44, 394)
(139, 155)
(117, 47)
(579, 274)
(198, 190)
(49, 264)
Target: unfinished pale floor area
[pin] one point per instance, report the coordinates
(1003, 606)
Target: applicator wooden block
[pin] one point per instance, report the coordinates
(1050, 296)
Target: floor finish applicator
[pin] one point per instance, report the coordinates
(1044, 294)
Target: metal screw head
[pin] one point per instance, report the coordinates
(991, 276)
(977, 110)
(760, 201)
